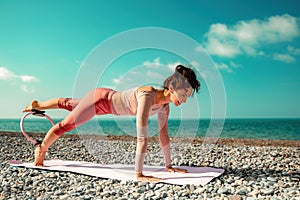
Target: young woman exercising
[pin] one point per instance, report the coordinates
(142, 101)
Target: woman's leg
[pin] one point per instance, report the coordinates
(63, 103)
(95, 102)
(50, 104)
(41, 149)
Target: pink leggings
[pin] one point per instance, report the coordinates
(96, 102)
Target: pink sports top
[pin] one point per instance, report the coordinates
(135, 100)
(142, 103)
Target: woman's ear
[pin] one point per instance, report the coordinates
(166, 92)
(171, 88)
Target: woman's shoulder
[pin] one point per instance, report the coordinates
(146, 89)
(146, 92)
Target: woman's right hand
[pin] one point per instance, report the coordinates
(143, 178)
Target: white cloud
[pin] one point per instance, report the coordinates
(26, 78)
(156, 63)
(247, 37)
(217, 47)
(280, 29)
(223, 66)
(202, 72)
(26, 89)
(199, 49)
(284, 58)
(151, 72)
(7, 75)
(230, 67)
(116, 81)
(172, 66)
(288, 56)
(293, 50)
(234, 65)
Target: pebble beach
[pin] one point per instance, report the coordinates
(254, 169)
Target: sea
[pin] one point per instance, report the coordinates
(269, 129)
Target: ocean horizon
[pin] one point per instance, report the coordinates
(243, 128)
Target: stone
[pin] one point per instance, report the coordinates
(80, 189)
(141, 189)
(268, 191)
(253, 192)
(135, 194)
(222, 191)
(234, 197)
(272, 179)
(200, 190)
(242, 192)
(59, 192)
(65, 196)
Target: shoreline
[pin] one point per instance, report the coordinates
(219, 141)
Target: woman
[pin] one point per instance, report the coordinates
(142, 101)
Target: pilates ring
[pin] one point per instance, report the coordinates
(35, 113)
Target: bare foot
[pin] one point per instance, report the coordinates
(39, 156)
(151, 179)
(179, 170)
(34, 105)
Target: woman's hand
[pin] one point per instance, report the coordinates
(173, 169)
(142, 177)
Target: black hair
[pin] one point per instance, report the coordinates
(183, 77)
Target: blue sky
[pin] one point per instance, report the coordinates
(254, 44)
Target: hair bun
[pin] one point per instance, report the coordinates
(180, 68)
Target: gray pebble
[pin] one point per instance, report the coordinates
(268, 191)
(59, 192)
(222, 191)
(65, 196)
(80, 189)
(250, 171)
(242, 192)
(272, 179)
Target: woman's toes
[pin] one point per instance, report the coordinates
(34, 105)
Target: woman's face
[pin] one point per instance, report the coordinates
(180, 96)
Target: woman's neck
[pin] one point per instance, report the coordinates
(161, 97)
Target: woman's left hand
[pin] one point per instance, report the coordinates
(173, 169)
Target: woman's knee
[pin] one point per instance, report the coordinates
(60, 128)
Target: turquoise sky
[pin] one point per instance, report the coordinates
(254, 44)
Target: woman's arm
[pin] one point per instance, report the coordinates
(145, 101)
(165, 140)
